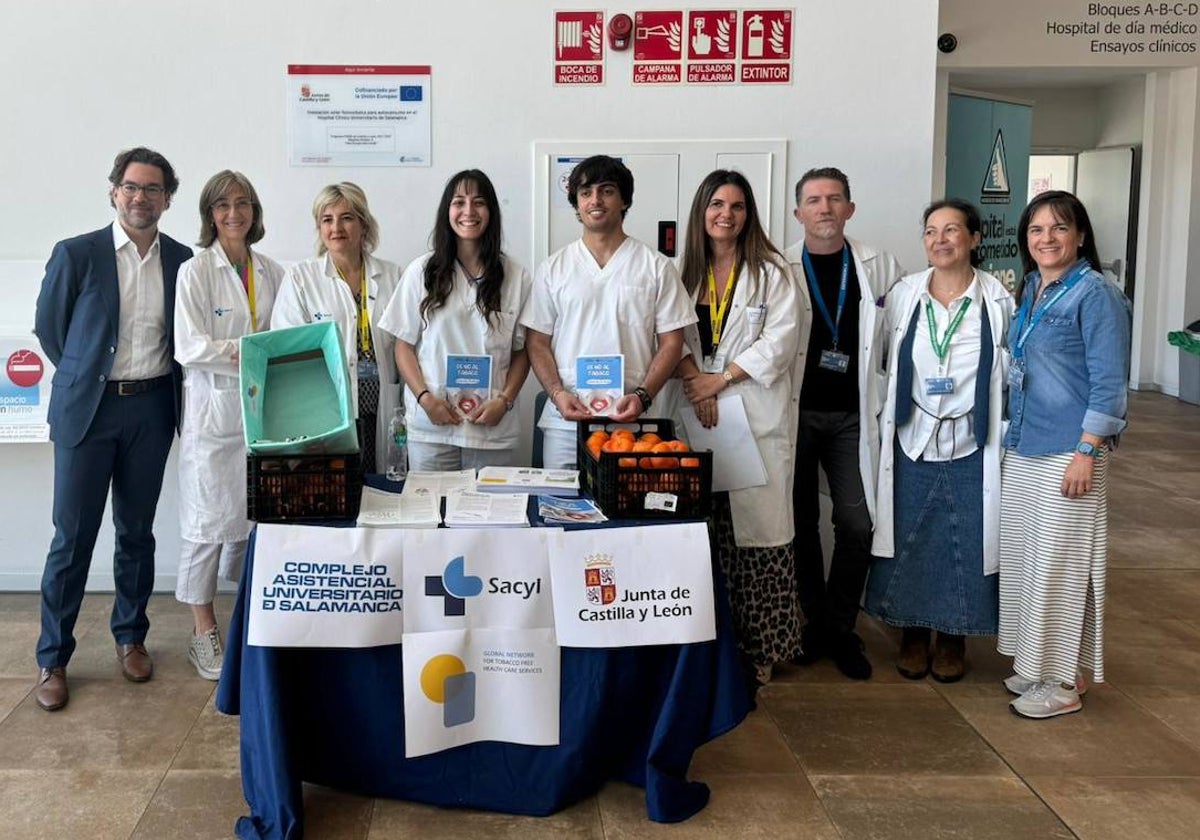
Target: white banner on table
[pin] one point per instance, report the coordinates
(359, 115)
(494, 577)
(326, 587)
(469, 685)
(622, 587)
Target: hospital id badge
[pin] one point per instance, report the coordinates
(714, 364)
(367, 369)
(936, 385)
(835, 360)
(1016, 376)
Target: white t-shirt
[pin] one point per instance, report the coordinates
(458, 328)
(621, 308)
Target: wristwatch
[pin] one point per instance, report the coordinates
(1085, 448)
(727, 375)
(644, 396)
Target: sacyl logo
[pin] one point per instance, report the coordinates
(453, 586)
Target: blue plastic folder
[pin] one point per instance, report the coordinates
(296, 396)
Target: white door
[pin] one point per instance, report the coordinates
(1106, 184)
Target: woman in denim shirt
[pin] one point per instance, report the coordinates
(1067, 396)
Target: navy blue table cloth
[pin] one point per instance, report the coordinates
(335, 717)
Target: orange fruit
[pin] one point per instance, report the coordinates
(678, 446)
(618, 444)
(643, 446)
(626, 462)
(689, 463)
(593, 446)
(650, 437)
(663, 463)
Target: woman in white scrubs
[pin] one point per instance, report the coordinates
(462, 300)
(346, 283)
(224, 292)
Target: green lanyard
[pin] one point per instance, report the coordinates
(942, 348)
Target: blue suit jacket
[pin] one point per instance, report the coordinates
(76, 323)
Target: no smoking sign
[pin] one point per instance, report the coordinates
(24, 368)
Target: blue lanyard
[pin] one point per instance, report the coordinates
(1027, 319)
(833, 323)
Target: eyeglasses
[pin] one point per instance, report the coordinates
(130, 189)
(224, 206)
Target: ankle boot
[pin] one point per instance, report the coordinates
(948, 658)
(913, 661)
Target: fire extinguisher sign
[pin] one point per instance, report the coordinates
(766, 41)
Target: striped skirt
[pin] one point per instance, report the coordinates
(1053, 557)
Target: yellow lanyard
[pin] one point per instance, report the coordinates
(716, 315)
(247, 280)
(250, 292)
(364, 317)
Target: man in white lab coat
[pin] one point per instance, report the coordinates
(605, 293)
(839, 407)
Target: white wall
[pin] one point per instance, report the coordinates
(1120, 113)
(204, 84)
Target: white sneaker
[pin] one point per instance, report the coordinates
(1047, 699)
(204, 652)
(1018, 685)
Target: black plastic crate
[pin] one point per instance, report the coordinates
(620, 481)
(288, 488)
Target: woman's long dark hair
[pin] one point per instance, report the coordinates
(753, 247)
(1066, 208)
(439, 270)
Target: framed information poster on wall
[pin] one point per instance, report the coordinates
(358, 115)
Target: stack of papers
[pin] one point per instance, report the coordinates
(439, 483)
(381, 509)
(554, 511)
(528, 480)
(468, 509)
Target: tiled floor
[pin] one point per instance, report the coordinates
(821, 758)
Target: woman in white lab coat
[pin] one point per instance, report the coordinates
(344, 282)
(745, 344)
(462, 298)
(224, 292)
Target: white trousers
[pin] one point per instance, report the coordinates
(447, 456)
(199, 565)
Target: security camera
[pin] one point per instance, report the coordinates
(947, 43)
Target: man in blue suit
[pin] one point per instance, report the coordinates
(104, 318)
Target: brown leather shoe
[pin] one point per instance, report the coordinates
(136, 664)
(949, 652)
(913, 661)
(51, 690)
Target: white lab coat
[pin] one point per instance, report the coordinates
(877, 272)
(312, 291)
(458, 328)
(766, 350)
(902, 300)
(212, 313)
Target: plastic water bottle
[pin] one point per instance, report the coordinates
(397, 446)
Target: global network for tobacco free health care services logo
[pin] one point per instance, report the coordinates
(599, 579)
(995, 189)
(446, 681)
(454, 586)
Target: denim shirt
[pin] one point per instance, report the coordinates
(1076, 367)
